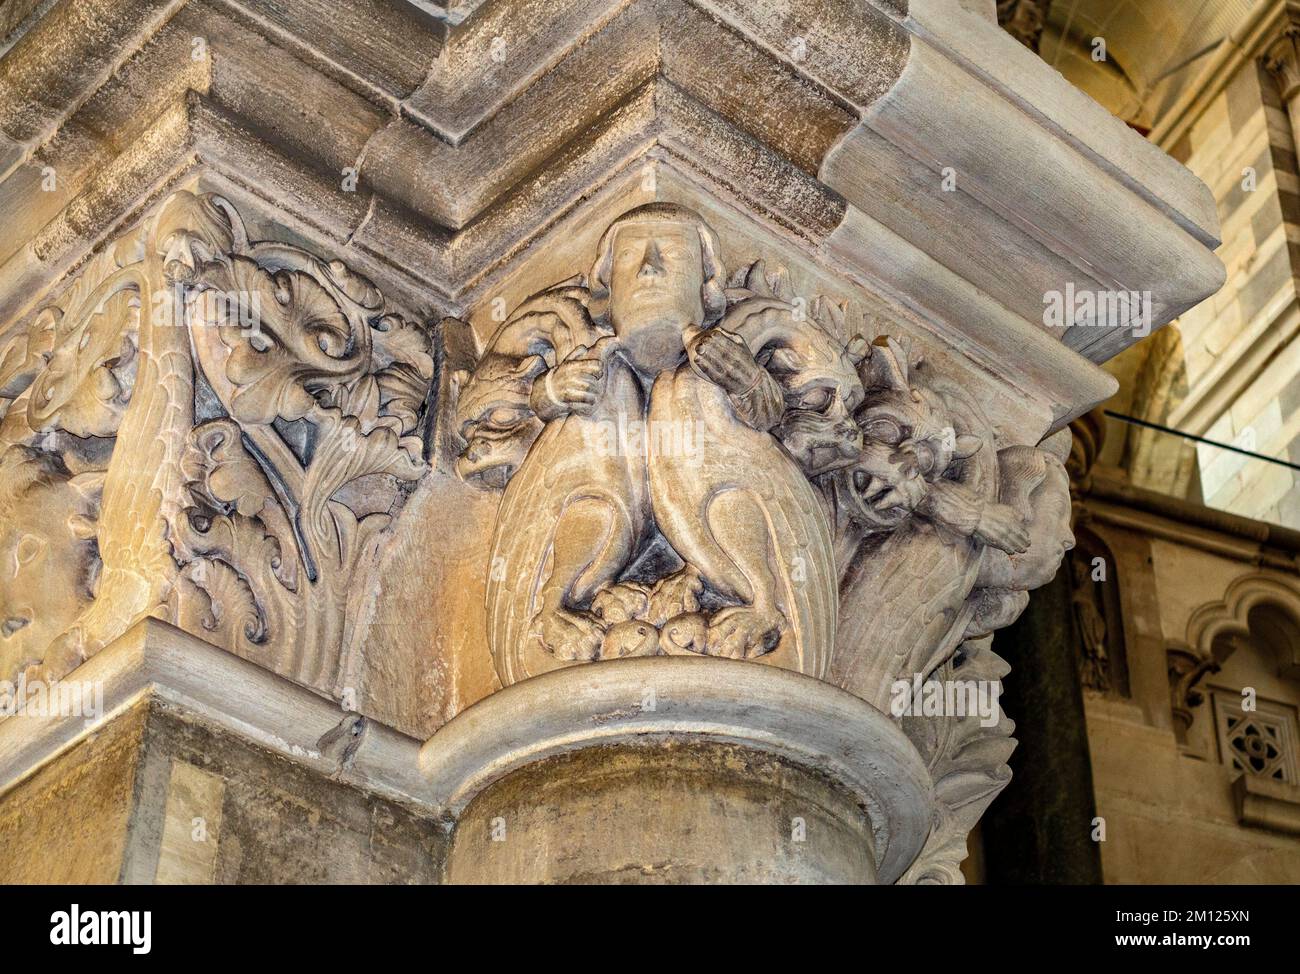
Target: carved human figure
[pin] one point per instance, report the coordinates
(1091, 624)
(48, 557)
(703, 534)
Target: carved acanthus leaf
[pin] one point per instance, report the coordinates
(967, 757)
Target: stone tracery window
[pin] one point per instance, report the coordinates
(1244, 649)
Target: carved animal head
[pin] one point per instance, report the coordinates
(908, 442)
(48, 556)
(492, 411)
(494, 419)
(817, 373)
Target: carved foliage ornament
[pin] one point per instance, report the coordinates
(251, 413)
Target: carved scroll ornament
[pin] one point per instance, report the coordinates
(247, 415)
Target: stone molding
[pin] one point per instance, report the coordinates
(156, 660)
(590, 706)
(1267, 804)
(416, 132)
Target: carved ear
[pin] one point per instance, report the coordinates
(887, 367)
(459, 379)
(89, 485)
(967, 446)
(83, 528)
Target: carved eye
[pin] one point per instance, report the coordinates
(28, 548)
(503, 416)
(883, 430)
(817, 400)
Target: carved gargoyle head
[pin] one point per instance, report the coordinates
(908, 441)
(817, 372)
(821, 390)
(493, 418)
(49, 560)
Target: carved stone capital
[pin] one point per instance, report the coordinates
(690, 460)
(1282, 59)
(224, 425)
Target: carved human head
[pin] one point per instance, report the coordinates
(49, 559)
(659, 268)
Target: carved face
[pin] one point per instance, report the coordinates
(878, 490)
(494, 419)
(821, 389)
(655, 280)
(45, 559)
(907, 444)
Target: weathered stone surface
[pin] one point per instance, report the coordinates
(673, 814)
(69, 821)
(350, 342)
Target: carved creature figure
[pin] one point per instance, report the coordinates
(49, 562)
(697, 465)
(938, 536)
(699, 534)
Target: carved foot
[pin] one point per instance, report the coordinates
(686, 633)
(630, 639)
(621, 603)
(676, 595)
(572, 635)
(742, 632)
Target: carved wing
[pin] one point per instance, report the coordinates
(144, 488)
(804, 558)
(140, 497)
(903, 606)
(557, 472)
(788, 537)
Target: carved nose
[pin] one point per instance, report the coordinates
(652, 263)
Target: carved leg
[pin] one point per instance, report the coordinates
(592, 542)
(739, 566)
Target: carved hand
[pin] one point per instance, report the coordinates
(1002, 527)
(572, 386)
(723, 359)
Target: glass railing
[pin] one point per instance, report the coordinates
(1242, 477)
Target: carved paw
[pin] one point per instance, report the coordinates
(630, 639)
(621, 603)
(1004, 528)
(744, 633)
(686, 633)
(572, 636)
(676, 595)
